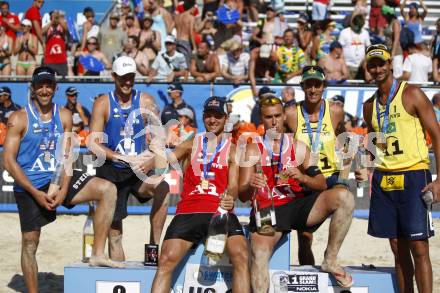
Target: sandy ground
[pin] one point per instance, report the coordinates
(60, 244)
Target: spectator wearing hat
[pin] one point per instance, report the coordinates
(417, 67)
(291, 59)
(78, 111)
(303, 33)
(205, 66)
(7, 106)
(131, 50)
(169, 65)
(34, 15)
(169, 112)
(262, 65)
(321, 42)
(129, 28)
(9, 20)
(267, 28)
(185, 28)
(149, 39)
(354, 40)
(88, 27)
(392, 39)
(125, 10)
(413, 19)
(182, 131)
(235, 63)
(26, 49)
(111, 37)
(55, 53)
(334, 66)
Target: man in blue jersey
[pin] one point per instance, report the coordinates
(114, 117)
(30, 156)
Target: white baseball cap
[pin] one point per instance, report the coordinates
(26, 22)
(124, 65)
(186, 112)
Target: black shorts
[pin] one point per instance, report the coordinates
(33, 216)
(126, 183)
(292, 215)
(194, 227)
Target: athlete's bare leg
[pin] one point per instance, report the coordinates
(104, 193)
(262, 248)
(403, 264)
(29, 245)
(305, 253)
(422, 264)
(238, 252)
(115, 249)
(173, 250)
(339, 203)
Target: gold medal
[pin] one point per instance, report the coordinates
(205, 184)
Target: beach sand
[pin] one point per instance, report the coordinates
(61, 244)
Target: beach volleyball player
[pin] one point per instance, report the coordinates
(30, 157)
(402, 113)
(113, 115)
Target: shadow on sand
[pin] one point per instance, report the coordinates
(48, 283)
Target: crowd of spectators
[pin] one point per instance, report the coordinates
(228, 40)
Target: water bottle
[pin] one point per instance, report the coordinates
(428, 198)
(56, 179)
(217, 234)
(264, 208)
(88, 234)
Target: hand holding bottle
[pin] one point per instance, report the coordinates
(258, 180)
(227, 202)
(293, 173)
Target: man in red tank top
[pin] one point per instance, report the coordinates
(55, 54)
(300, 199)
(211, 171)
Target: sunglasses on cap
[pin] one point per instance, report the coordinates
(377, 46)
(269, 101)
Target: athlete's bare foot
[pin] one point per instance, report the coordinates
(102, 261)
(343, 279)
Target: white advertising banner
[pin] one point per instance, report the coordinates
(207, 279)
(297, 281)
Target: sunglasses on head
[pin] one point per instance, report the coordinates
(269, 101)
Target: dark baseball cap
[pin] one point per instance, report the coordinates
(312, 72)
(338, 98)
(43, 73)
(265, 91)
(4, 90)
(175, 87)
(71, 91)
(216, 104)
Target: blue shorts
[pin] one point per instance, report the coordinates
(397, 209)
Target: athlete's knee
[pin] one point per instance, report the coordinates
(419, 249)
(168, 261)
(239, 257)
(108, 191)
(30, 243)
(343, 198)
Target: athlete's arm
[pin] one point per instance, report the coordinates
(96, 137)
(16, 129)
(420, 106)
(248, 179)
(227, 202)
(305, 173)
(66, 120)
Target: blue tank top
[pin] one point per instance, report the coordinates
(40, 137)
(120, 138)
(160, 26)
(416, 28)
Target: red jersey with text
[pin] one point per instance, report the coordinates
(283, 191)
(195, 198)
(10, 19)
(55, 52)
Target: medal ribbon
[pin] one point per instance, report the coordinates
(271, 155)
(314, 143)
(207, 165)
(384, 127)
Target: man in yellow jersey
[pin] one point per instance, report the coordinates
(314, 122)
(401, 177)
